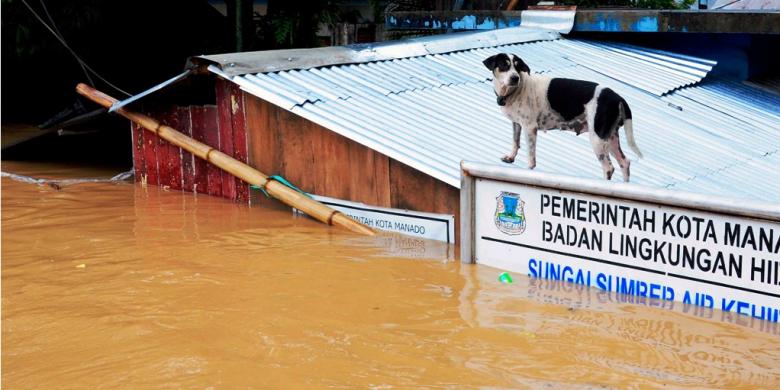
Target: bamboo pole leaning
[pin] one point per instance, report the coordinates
(240, 170)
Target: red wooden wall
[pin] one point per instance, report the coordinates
(222, 126)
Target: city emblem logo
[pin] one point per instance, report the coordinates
(510, 218)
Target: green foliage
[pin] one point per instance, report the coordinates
(293, 24)
(376, 9)
(283, 30)
(30, 38)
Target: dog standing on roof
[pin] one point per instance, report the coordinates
(535, 102)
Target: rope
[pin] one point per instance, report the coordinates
(279, 179)
(59, 33)
(57, 184)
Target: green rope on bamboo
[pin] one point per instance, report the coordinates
(282, 180)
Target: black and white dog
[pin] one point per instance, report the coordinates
(536, 102)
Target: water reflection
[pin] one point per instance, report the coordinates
(669, 341)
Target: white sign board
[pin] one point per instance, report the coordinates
(715, 260)
(440, 227)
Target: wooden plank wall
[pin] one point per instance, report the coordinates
(221, 126)
(276, 141)
(234, 103)
(323, 162)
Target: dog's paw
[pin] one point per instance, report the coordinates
(507, 159)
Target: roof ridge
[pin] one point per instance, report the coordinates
(236, 64)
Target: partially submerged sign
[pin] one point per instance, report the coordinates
(440, 227)
(623, 238)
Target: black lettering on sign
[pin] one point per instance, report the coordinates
(683, 226)
(568, 207)
(765, 271)
(667, 229)
(556, 205)
(744, 237)
(568, 235)
(732, 234)
(409, 228)
(600, 213)
(678, 255)
(581, 215)
(545, 202)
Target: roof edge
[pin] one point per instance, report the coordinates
(235, 64)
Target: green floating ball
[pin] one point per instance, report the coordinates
(505, 278)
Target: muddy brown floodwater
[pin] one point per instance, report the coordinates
(115, 285)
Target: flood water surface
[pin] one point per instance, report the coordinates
(118, 285)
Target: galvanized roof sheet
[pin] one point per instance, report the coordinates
(233, 64)
(432, 111)
(746, 5)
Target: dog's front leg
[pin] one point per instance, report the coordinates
(516, 129)
(531, 131)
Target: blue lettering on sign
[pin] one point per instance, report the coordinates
(603, 281)
(699, 299)
(745, 308)
(546, 270)
(638, 288)
(620, 284)
(654, 289)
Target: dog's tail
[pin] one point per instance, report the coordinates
(625, 114)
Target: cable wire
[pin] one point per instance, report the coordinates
(62, 41)
(59, 33)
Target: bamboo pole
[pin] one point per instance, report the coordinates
(242, 171)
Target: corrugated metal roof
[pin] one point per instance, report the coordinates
(234, 64)
(430, 112)
(746, 4)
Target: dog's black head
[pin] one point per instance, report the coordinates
(508, 70)
(503, 61)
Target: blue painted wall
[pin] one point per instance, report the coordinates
(609, 22)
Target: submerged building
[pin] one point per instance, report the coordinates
(388, 124)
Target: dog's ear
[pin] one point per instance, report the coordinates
(520, 66)
(490, 62)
